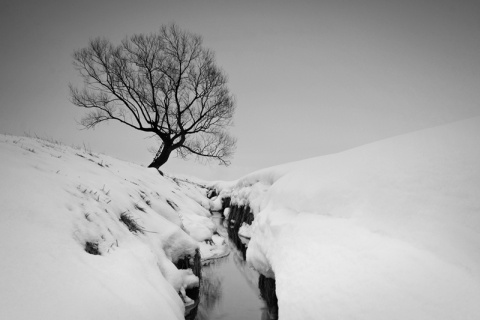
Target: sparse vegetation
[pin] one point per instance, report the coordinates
(172, 204)
(92, 248)
(105, 191)
(111, 246)
(131, 223)
(29, 149)
(46, 140)
(143, 195)
(139, 207)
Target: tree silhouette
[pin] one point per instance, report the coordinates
(165, 84)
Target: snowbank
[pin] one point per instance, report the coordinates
(86, 236)
(245, 230)
(389, 230)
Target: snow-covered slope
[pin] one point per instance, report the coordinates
(389, 230)
(86, 236)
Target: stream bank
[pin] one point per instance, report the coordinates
(229, 289)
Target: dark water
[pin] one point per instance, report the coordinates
(230, 289)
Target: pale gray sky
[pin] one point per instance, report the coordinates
(310, 77)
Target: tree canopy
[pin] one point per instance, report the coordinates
(165, 84)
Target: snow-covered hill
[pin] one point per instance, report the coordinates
(389, 230)
(86, 236)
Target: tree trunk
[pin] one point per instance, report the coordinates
(162, 158)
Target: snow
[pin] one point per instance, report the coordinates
(216, 249)
(55, 199)
(245, 230)
(389, 230)
(226, 213)
(216, 204)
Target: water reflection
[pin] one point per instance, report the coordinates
(211, 290)
(229, 289)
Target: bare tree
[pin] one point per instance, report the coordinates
(165, 84)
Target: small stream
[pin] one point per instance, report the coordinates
(231, 290)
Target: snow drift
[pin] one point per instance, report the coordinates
(86, 236)
(389, 230)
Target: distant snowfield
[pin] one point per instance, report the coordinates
(389, 230)
(55, 199)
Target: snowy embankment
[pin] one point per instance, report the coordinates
(86, 236)
(389, 230)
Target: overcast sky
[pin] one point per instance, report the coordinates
(310, 77)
